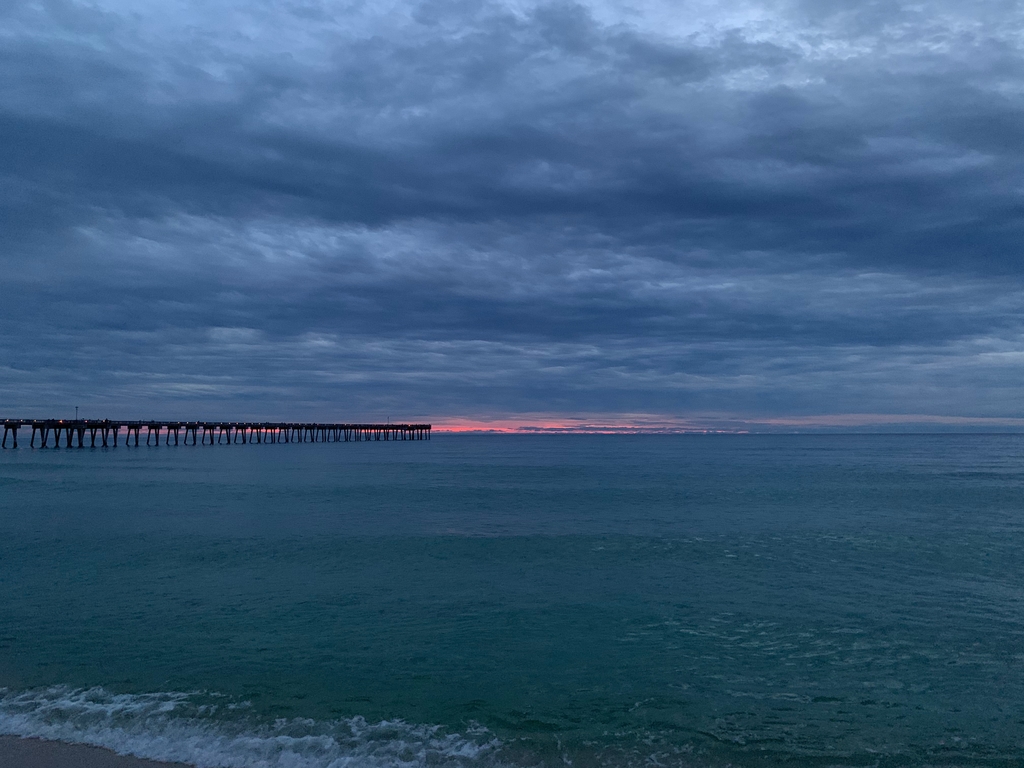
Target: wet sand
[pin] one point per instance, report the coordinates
(16, 752)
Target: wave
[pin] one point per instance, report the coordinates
(211, 731)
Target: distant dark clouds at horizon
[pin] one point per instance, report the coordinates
(698, 211)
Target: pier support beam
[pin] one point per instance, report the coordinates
(219, 433)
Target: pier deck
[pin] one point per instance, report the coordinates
(76, 433)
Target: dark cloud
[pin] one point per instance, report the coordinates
(436, 209)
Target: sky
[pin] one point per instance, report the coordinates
(774, 214)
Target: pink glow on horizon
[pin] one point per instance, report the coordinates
(704, 423)
(548, 423)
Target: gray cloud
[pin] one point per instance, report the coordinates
(448, 209)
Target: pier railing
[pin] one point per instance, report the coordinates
(75, 433)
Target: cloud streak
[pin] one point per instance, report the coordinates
(753, 212)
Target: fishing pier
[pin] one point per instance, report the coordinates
(78, 432)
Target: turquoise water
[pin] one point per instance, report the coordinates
(521, 600)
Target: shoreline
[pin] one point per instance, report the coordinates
(32, 752)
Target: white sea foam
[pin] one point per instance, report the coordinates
(209, 732)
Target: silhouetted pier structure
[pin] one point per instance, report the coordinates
(76, 432)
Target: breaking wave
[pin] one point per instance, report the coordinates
(211, 731)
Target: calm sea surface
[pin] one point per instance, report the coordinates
(521, 601)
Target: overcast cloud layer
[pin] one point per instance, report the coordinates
(702, 213)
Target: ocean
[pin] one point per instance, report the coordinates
(485, 601)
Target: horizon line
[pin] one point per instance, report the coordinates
(723, 424)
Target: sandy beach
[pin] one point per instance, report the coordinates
(16, 752)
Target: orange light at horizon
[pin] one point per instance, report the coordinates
(554, 425)
(707, 423)
(489, 426)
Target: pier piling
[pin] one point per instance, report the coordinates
(218, 432)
